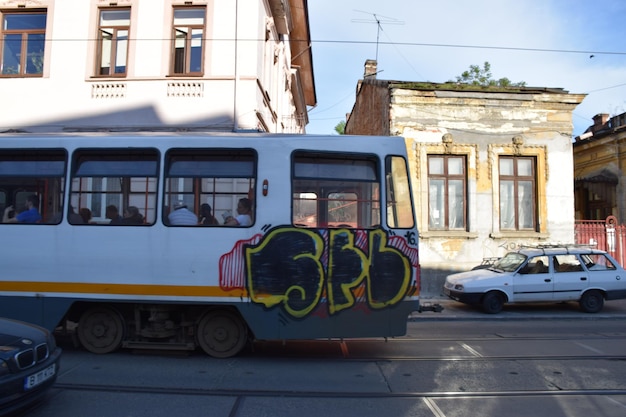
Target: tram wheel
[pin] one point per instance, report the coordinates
(221, 333)
(100, 330)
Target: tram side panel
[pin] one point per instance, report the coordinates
(287, 282)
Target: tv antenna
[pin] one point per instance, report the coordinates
(379, 20)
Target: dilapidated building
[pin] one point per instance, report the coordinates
(599, 165)
(491, 167)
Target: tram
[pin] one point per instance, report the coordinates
(328, 247)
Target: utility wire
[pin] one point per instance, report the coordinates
(505, 48)
(356, 42)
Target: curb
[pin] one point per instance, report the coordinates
(456, 311)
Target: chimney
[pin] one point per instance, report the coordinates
(599, 122)
(370, 69)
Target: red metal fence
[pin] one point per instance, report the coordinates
(603, 234)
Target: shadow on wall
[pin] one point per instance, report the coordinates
(144, 118)
(432, 280)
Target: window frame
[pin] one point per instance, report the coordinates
(25, 33)
(187, 50)
(219, 177)
(133, 168)
(34, 171)
(447, 177)
(331, 184)
(516, 179)
(114, 44)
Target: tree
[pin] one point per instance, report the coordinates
(482, 76)
(340, 128)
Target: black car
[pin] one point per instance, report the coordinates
(29, 363)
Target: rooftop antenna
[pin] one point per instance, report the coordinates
(379, 20)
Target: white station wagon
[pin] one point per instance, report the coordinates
(550, 273)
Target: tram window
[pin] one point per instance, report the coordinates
(26, 172)
(335, 190)
(399, 205)
(217, 177)
(124, 178)
(342, 209)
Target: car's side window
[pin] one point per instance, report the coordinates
(567, 263)
(536, 265)
(598, 262)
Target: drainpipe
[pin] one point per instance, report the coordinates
(236, 80)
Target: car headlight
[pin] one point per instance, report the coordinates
(458, 287)
(4, 368)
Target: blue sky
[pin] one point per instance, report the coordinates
(545, 43)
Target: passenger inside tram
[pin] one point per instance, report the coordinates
(244, 214)
(132, 216)
(30, 215)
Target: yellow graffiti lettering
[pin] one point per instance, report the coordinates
(343, 270)
(380, 256)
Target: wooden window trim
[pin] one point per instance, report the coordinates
(187, 72)
(446, 177)
(24, 41)
(113, 53)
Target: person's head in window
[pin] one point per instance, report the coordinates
(85, 213)
(244, 214)
(182, 216)
(132, 216)
(113, 214)
(206, 214)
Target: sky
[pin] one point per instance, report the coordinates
(577, 45)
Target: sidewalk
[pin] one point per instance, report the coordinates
(454, 310)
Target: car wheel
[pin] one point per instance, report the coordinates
(493, 302)
(591, 301)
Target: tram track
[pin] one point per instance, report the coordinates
(329, 394)
(431, 377)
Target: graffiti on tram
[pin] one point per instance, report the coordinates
(298, 268)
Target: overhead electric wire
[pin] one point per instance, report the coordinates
(357, 42)
(506, 48)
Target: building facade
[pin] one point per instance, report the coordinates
(241, 65)
(491, 168)
(599, 166)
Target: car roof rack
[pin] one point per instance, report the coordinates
(566, 246)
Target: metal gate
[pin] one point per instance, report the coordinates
(606, 235)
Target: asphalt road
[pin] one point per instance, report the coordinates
(539, 360)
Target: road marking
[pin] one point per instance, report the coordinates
(433, 407)
(616, 402)
(589, 347)
(471, 350)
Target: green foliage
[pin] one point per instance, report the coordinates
(483, 77)
(340, 128)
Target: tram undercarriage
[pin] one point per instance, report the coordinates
(104, 327)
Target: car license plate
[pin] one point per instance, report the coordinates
(40, 377)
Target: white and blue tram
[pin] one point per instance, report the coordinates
(332, 251)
